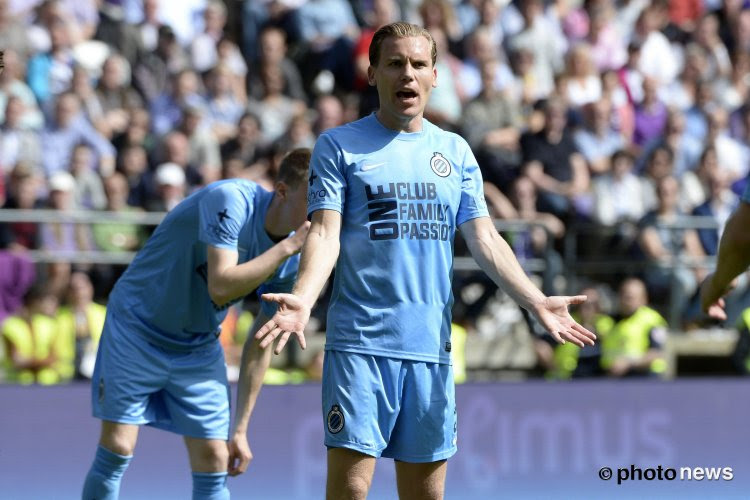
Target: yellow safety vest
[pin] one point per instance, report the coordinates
(745, 322)
(458, 345)
(566, 355)
(630, 337)
(36, 341)
(95, 314)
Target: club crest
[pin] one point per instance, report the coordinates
(335, 420)
(440, 165)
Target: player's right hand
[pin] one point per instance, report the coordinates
(296, 240)
(290, 318)
(239, 455)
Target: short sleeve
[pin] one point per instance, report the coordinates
(327, 187)
(472, 204)
(223, 213)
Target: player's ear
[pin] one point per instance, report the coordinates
(434, 77)
(282, 190)
(371, 75)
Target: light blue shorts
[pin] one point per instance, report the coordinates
(400, 409)
(136, 382)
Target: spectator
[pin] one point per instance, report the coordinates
(23, 193)
(64, 237)
(491, 124)
(537, 36)
(175, 148)
(17, 274)
(686, 149)
(117, 236)
(69, 129)
(89, 192)
(619, 194)
(480, 49)
(115, 95)
(80, 322)
(203, 53)
(597, 140)
(330, 113)
(12, 85)
(274, 110)
(51, 73)
(584, 85)
(204, 152)
(666, 248)
(444, 106)
(634, 346)
(553, 163)
(273, 51)
(650, 115)
(328, 28)
(166, 109)
(732, 155)
(170, 188)
(17, 143)
(657, 61)
(224, 107)
(30, 337)
(155, 69)
(607, 48)
(538, 241)
(247, 144)
(113, 31)
(720, 204)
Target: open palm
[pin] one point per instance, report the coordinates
(290, 319)
(554, 316)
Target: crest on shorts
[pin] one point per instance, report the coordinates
(440, 165)
(335, 420)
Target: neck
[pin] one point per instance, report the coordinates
(274, 225)
(398, 123)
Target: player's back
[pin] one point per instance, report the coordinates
(165, 287)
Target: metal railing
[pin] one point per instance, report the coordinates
(92, 217)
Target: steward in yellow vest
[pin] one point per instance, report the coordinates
(634, 345)
(32, 348)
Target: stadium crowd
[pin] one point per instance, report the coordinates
(601, 124)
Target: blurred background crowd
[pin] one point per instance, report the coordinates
(613, 138)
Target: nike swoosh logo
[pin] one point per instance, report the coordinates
(365, 168)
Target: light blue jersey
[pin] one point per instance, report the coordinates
(402, 196)
(165, 289)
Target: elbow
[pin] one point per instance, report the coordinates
(219, 294)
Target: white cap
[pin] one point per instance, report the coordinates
(62, 181)
(170, 174)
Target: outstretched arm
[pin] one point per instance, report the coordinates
(319, 255)
(253, 366)
(733, 259)
(496, 259)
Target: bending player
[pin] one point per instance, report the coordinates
(387, 194)
(159, 361)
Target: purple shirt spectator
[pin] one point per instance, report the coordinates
(16, 276)
(649, 123)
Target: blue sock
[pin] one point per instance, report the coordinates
(210, 486)
(103, 479)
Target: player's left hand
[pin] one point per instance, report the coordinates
(712, 302)
(553, 314)
(239, 455)
(291, 318)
